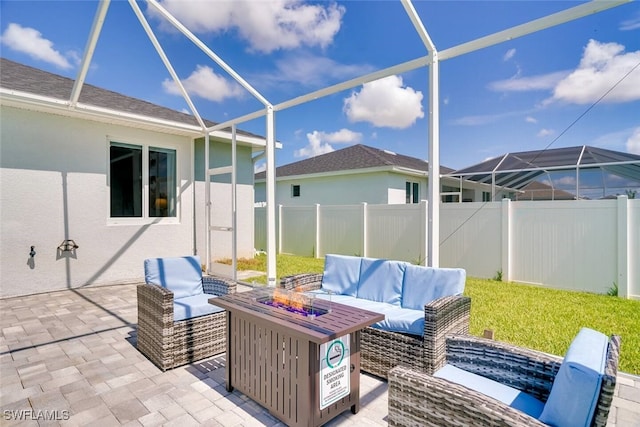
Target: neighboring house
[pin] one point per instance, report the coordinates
(358, 174)
(580, 172)
(120, 178)
(540, 191)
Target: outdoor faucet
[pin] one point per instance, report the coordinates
(32, 253)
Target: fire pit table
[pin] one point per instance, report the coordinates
(296, 355)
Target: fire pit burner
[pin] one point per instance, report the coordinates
(293, 302)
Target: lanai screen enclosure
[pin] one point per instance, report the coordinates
(431, 60)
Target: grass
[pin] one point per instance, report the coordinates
(535, 317)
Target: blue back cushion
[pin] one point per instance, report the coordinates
(575, 390)
(182, 276)
(341, 274)
(425, 284)
(381, 280)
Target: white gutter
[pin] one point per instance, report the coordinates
(18, 99)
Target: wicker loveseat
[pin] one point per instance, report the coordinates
(421, 305)
(489, 383)
(176, 324)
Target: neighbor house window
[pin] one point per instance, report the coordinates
(130, 176)
(486, 196)
(295, 191)
(412, 191)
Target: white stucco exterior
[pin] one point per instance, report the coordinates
(377, 187)
(54, 180)
(351, 187)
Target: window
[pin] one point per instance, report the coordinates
(162, 182)
(134, 181)
(412, 191)
(295, 190)
(486, 196)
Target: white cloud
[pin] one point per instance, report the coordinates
(265, 25)
(385, 103)
(602, 66)
(320, 142)
(310, 70)
(564, 182)
(541, 82)
(631, 23)
(259, 167)
(30, 41)
(633, 143)
(530, 119)
(203, 82)
(509, 54)
(545, 132)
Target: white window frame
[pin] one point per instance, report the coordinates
(145, 219)
(412, 200)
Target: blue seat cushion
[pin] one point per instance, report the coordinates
(576, 387)
(181, 275)
(194, 306)
(425, 284)
(508, 395)
(381, 280)
(341, 274)
(397, 319)
(404, 320)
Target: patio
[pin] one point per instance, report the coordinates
(69, 358)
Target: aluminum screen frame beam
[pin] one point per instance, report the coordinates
(432, 61)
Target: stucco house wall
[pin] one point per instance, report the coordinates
(381, 187)
(54, 177)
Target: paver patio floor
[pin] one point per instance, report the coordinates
(70, 355)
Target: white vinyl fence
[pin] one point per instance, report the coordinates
(587, 245)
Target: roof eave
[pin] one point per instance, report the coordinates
(24, 100)
(387, 168)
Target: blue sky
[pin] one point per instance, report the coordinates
(525, 94)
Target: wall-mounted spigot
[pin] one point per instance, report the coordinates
(32, 253)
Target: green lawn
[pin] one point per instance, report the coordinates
(531, 316)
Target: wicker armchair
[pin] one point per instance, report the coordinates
(382, 350)
(420, 399)
(168, 343)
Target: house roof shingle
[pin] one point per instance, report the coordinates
(351, 158)
(23, 78)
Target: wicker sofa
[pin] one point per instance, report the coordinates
(176, 324)
(421, 305)
(490, 383)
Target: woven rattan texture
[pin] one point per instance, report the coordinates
(382, 350)
(419, 399)
(169, 344)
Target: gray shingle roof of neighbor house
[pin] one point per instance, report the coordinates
(352, 158)
(23, 78)
(516, 170)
